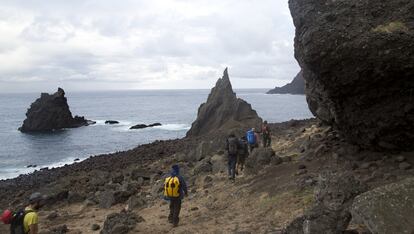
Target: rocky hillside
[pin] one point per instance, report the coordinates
(297, 86)
(358, 62)
(223, 112)
(51, 112)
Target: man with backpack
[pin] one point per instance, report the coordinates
(232, 146)
(25, 221)
(266, 135)
(175, 189)
(243, 153)
(251, 139)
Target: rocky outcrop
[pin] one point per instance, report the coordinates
(297, 86)
(387, 209)
(120, 223)
(223, 112)
(357, 59)
(141, 126)
(330, 213)
(51, 112)
(111, 122)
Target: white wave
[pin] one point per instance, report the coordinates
(174, 127)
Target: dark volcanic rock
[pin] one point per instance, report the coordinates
(297, 86)
(330, 213)
(141, 126)
(387, 209)
(120, 223)
(357, 59)
(111, 122)
(51, 112)
(223, 111)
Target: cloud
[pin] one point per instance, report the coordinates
(102, 44)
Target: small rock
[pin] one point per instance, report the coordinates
(52, 215)
(76, 159)
(301, 172)
(400, 159)
(118, 178)
(194, 208)
(404, 166)
(95, 227)
(208, 179)
(301, 166)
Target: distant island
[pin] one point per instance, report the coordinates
(297, 86)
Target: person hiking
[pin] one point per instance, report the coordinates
(266, 135)
(175, 189)
(232, 146)
(25, 221)
(251, 139)
(243, 153)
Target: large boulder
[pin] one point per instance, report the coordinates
(51, 112)
(223, 112)
(387, 209)
(330, 213)
(120, 223)
(297, 86)
(357, 59)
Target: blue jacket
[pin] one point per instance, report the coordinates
(183, 186)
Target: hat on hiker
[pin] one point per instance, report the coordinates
(36, 197)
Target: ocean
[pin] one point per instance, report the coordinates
(175, 109)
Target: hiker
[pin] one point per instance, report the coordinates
(243, 153)
(266, 135)
(232, 145)
(175, 189)
(25, 221)
(252, 139)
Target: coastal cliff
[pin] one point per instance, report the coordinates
(297, 86)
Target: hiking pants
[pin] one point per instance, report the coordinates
(175, 208)
(266, 140)
(232, 166)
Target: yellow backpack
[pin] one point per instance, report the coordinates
(172, 187)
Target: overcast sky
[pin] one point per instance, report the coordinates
(144, 44)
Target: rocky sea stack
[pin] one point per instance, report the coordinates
(51, 112)
(223, 111)
(297, 86)
(357, 59)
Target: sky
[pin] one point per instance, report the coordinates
(85, 45)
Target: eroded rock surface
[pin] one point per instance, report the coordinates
(51, 112)
(387, 209)
(223, 111)
(357, 59)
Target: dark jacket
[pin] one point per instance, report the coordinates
(183, 186)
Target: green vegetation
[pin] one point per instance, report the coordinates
(395, 26)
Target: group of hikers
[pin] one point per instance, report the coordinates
(25, 221)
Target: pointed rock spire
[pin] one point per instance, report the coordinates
(223, 111)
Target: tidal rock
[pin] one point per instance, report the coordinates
(51, 112)
(111, 122)
(387, 209)
(141, 126)
(223, 112)
(297, 86)
(357, 59)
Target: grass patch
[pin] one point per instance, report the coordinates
(395, 26)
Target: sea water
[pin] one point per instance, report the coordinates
(175, 109)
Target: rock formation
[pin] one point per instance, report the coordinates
(387, 209)
(357, 59)
(297, 86)
(51, 112)
(141, 126)
(223, 111)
